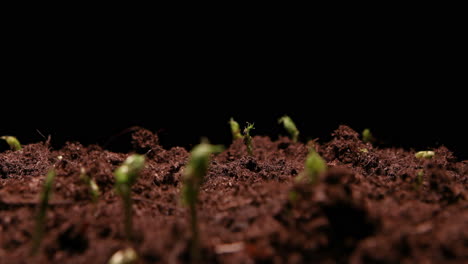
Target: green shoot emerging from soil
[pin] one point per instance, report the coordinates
(314, 165)
(193, 175)
(41, 214)
(235, 129)
(93, 187)
(425, 154)
(125, 176)
(12, 142)
(124, 256)
(290, 127)
(367, 136)
(248, 138)
(419, 178)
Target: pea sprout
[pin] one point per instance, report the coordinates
(235, 129)
(193, 175)
(248, 138)
(314, 165)
(290, 127)
(13, 142)
(44, 198)
(125, 176)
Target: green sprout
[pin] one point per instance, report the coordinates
(235, 129)
(364, 150)
(424, 154)
(248, 138)
(367, 136)
(92, 185)
(193, 175)
(419, 178)
(12, 142)
(124, 256)
(125, 176)
(290, 127)
(45, 195)
(314, 165)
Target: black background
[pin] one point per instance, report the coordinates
(408, 93)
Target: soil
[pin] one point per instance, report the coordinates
(369, 207)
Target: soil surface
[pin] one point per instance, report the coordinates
(369, 207)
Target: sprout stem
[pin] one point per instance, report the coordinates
(194, 173)
(248, 138)
(45, 195)
(126, 175)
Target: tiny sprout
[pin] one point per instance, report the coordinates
(235, 129)
(45, 195)
(419, 178)
(290, 127)
(314, 165)
(12, 142)
(248, 138)
(193, 175)
(125, 176)
(124, 256)
(367, 136)
(425, 154)
(364, 150)
(92, 185)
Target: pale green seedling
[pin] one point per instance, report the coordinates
(290, 127)
(314, 165)
(125, 176)
(44, 198)
(12, 142)
(248, 138)
(235, 129)
(193, 175)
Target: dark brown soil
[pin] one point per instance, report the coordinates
(368, 208)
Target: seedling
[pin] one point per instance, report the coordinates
(41, 214)
(425, 154)
(124, 256)
(12, 142)
(248, 138)
(419, 178)
(193, 176)
(125, 176)
(314, 165)
(290, 127)
(364, 150)
(91, 183)
(367, 136)
(235, 129)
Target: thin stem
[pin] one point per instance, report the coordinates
(39, 229)
(128, 216)
(194, 247)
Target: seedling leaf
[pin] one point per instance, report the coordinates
(248, 138)
(314, 165)
(235, 129)
(12, 142)
(290, 127)
(367, 136)
(124, 256)
(425, 154)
